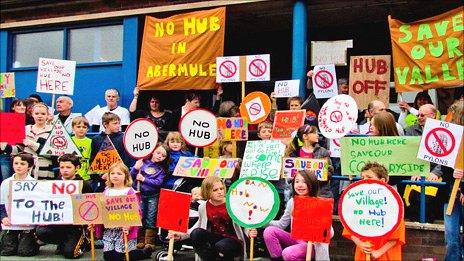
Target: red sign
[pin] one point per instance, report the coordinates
(324, 79)
(12, 127)
(286, 122)
(439, 142)
(307, 225)
(173, 210)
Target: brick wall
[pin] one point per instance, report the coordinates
(422, 241)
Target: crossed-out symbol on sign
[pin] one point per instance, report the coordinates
(439, 144)
(323, 79)
(227, 69)
(59, 142)
(255, 109)
(88, 211)
(336, 116)
(257, 67)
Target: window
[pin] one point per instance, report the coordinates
(96, 44)
(29, 47)
(84, 45)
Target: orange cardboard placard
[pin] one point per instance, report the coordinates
(286, 122)
(255, 107)
(87, 208)
(106, 156)
(121, 211)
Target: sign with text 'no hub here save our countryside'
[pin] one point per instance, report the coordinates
(199, 128)
(56, 76)
(440, 142)
(396, 153)
(250, 68)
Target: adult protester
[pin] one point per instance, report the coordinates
(64, 105)
(155, 111)
(112, 100)
(192, 102)
(408, 114)
(434, 196)
(373, 108)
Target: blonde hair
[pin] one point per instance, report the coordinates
(79, 120)
(264, 125)
(124, 169)
(457, 110)
(175, 136)
(40, 104)
(207, 186)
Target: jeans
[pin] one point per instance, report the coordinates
(5, 167)
(149, 206)
(454, 247)
(210, 246)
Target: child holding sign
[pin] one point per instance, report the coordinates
(215, 235)
(17, 240)
(278, 241)
(150, 173)
(120, 183)
(384, 248)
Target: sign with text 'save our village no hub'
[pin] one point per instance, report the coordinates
(440, 142)
(140, 138)
(250, 68)
(56, 76)
(199, 128)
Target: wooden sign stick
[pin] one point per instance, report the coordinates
(126, 247)
(138, 181)
(243, 90)
(309, 251)
(171, 249)
(92, 243)
(252, 247)
(452, 199)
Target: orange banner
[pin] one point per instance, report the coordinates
(428, 54)
(179, 52)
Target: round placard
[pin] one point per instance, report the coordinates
(338, 116)
(252, 202)
(199, 128)
(370, 209)
(140, 138)
(256, 106)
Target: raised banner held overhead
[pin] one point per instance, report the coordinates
(7, 85)
(427, 54)
(177, 51)
(396, 153)
(369, 79)
(203, 167)
(56, 76)
(330, 52)
(59, 142)
(263, 158)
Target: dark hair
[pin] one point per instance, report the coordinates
(160, 106)
(379, 170)
(385, 124)
(71, 158)
(294, 98)
(311, 181)
(36, 96)
(165, 163)
(294, 145)
(190, 96)
(17, 102)
(424, 95)
(24, 156)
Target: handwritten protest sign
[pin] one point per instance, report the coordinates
(397, 154)
(12, 127)
(87, 208)
(325, 81)
(7, 85)
(199, 127)
(121, 211)
(370, 209)
(310, 227)
(262, 158)
(369, 79)
(252, 202)
(106, 156)
(291, 166)
(212, 151)
(43, 202)
(175, 53)
(59, 142)
(440, 142)
(258, 67)
(427, 54)
(228, 69)
(338, 116)
(255, 107)
(329, 52)
(235, 128)
(140, 138)
(334, 147)
(286, 122)
(56, 76)
(173, 216)
(289, 88)
(203, 167)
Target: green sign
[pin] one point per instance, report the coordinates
(397, 153)
(252, 202)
